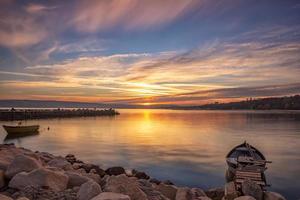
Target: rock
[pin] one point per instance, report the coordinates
(76, 179)
(111, 196)
(93, 176)
(215, 193)
(70, 158)
(77, 166)
(93, 171)
(46, 194)
(153, 180)
(250, 188)
(40, 178)
(45, 157)
(87, 167)
(88, 190)
(60, 163)
(245, 198)
(167, 190)
(197, 192)
(204, 198)
(185, 193)
(230, 191)
(150, 191)
(2, 181)
(140, 175)
(273, 196)
(8, 152)
(125, 185)
(168, 182)
(22, 163)
(76, 189)
(115, 171)
(23, 198)
(3, 197)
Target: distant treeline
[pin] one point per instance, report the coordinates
(281, 103)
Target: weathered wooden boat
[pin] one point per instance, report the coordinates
(247, 154)
(21, 129)
(246, 162)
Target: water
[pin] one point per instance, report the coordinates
(186, 147)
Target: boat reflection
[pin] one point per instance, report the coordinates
(21, 135)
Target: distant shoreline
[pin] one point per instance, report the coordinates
(271, 103)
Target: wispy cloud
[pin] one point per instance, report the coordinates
(91, 16)
(225, 69)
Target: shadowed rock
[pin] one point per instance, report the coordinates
(88, 190)
(250, 188)
(115, 171)
(22, 163)
(40, 178)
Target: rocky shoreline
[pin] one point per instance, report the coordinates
(28, 175)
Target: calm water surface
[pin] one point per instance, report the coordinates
(186, 147)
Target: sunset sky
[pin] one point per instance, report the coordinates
(185, 52)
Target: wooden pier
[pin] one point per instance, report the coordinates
(27, 114)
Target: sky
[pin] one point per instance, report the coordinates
(183, 52)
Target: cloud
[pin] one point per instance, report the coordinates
(218, 70)
(37, 8)
(92, 16)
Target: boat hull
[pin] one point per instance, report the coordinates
(21, 129)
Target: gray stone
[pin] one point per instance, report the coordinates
(76, 179)
(167, 190)
(250, 188)
(230, 191)
(22, 163)
(40, 178)
(3, 197)
(2, 181)
(111, 196)
(60, 163)
(88, 190)
(273, 196)
(245, 198)
(125, 185)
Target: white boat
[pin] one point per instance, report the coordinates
(21, 129)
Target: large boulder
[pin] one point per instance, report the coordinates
(22, 163)
(167, 190)
(245, 198)
(148, 188)
(4, 197)
(185, 193)
(111, 196)
(115, 171)
(76, 179)
(125, 185)
(41, 177)
(250, 188)
(215, 193)
(2, 181)
(273, 196)
(88, 190)
(8, 152)
(230, 191)
(60, 163)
